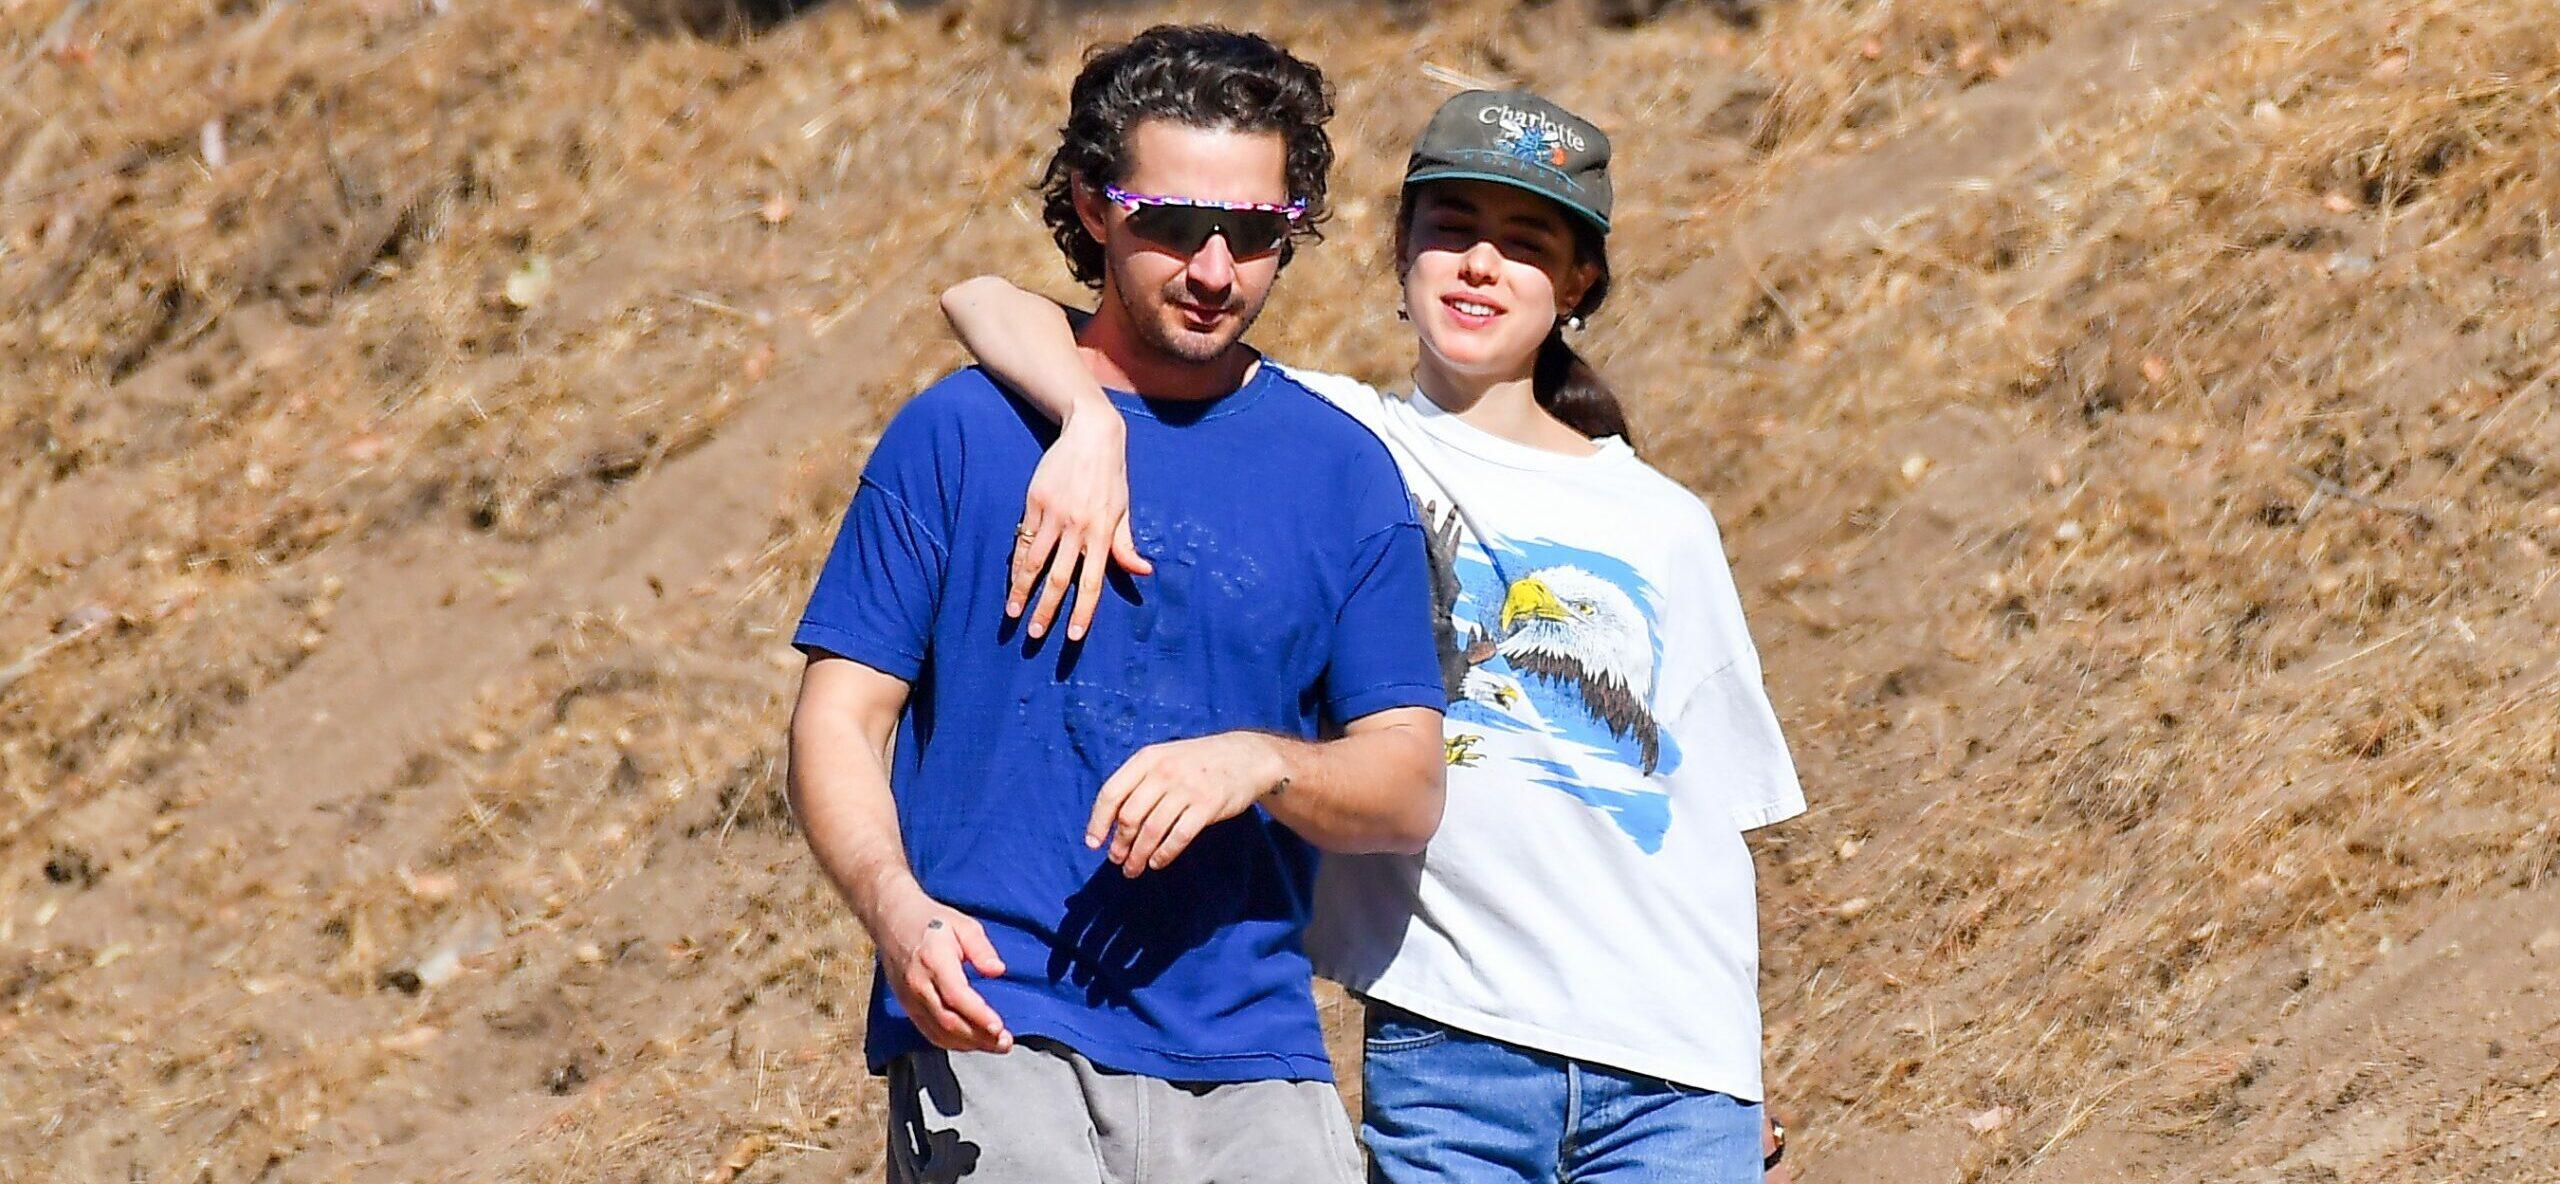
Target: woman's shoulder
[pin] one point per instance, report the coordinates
(1680, 511)
(1352, 397)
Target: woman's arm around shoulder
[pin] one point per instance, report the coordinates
(1075, 518)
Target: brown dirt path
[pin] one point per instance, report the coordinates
(424, 624)
(2440, 1061)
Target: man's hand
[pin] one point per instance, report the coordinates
(1075, 523)
(1168, 793)
(926, 948)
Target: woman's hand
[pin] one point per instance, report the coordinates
(1075, 523)
(1075, 520)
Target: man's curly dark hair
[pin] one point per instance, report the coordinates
(1199, 76)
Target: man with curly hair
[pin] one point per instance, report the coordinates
(1085, 857)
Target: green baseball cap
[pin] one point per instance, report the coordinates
(1512, 137)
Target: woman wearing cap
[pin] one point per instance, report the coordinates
(1563, 987)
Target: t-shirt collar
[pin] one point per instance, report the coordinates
(1183, 411)
(1457, 433)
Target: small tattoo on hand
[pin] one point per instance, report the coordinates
(936, 923)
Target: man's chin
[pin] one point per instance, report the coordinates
(1195, 347)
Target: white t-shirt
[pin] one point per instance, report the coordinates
(1609, 740)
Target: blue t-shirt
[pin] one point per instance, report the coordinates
(1291, 594)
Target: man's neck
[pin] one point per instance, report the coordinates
(1121, 360)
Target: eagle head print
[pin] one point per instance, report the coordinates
(1551, 659)
(1575, 629)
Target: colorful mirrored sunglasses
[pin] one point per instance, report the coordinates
(1185, 224)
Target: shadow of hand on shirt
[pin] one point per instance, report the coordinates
(1120, 934)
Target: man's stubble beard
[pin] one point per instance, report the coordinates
(1155, 331)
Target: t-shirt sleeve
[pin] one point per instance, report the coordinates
(1730, 732)
(876, 597)
(1725, 722)
(1383, 655)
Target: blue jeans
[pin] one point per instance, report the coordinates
(1448, 1107)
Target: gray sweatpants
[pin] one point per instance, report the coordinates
(1042, 1114)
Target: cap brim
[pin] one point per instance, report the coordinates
(1455, 174)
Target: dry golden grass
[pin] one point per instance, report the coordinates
(2188, 630)
(2150, 546)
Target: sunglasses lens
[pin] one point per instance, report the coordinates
(1180, 228)
(1256, 232)
(1188, 228)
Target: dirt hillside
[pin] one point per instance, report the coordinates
(2136, 426)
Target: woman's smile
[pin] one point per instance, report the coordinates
(1471, 312)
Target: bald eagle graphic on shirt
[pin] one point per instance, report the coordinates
(1551, 653)
(1572, 628)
